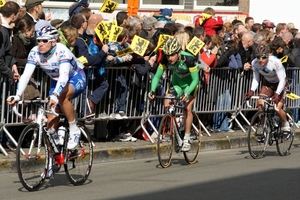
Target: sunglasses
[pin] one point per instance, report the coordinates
(261, 57)
(44, 41)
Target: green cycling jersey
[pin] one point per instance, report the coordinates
(185, 74)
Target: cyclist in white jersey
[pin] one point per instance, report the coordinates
(274, 82)
(68, 78)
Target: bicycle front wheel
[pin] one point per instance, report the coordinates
(192, 155)
(79, 160)
(258, 135)
(165, 141)
(284, 143)
(31, 158)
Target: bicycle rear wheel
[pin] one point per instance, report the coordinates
(192, 155)
(79, 160)
(258, 135)
(165, 142)
(31, 159)
(284, 144)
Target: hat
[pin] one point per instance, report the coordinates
(31, 3)
(149, 22)
(41, 23)
(166, 12)
(56, 22)
(76, 8)
(268, 25)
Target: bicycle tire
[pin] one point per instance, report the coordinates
(165, 141)
(31, 167)
(78, 161)
(192, 155)
(284, 145)
(256, 145)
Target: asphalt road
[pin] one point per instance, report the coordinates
(225, 174)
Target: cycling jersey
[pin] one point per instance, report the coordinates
(185, 75)
(273, 72)
(61, 66)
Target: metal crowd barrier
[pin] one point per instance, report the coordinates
(223, 81)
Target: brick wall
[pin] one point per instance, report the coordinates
(244, 5)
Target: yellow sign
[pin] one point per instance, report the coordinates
(109, 6)
(114, 33)
(101, 31)
(2, 3)
(292, 96)
(124, 52)
(195, 45)
(204, 17)
(109, 24)
(163, 38)
(82, 60)
(284, 59)
(139, 45)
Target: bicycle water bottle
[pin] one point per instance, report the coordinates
(275, 121)
(53, 134)
(61, 135)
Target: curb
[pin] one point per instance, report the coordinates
(147, 150)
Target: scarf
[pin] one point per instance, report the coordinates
(26, 41)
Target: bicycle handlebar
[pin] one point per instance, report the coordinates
(35, 101)
(268, 100)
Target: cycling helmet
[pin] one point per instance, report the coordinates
(171, 46)
(262, 50)
(47, 32)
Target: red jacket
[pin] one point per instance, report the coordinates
(210, 25)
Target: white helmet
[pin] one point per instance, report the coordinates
(47, 32)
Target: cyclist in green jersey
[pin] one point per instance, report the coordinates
(184, 83)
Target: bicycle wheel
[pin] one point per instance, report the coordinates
(79, 160)
(165, 142)
(284, 144)
(192, 155)
(31, 158)
(258, 135)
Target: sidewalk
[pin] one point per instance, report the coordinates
(118, 151)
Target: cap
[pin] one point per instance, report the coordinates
(268, 25)
(31, 3)
(56, 22)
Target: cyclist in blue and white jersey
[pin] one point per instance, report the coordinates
(68, 78)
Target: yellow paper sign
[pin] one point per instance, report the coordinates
(139, 45)
(109, 24)
(292, 96)
(101, 31)
(195, 45)
(82, 60)
(163, 38)
(284, 59)
(109, 6)
(159, 44)
(2, 3)
(123, 52)
(114, 33)
(204, 17)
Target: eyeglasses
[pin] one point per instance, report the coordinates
(45, 41)
(261, 57)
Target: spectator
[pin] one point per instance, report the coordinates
(148, 28)
(165, 15)
(68, 36)
(93, 21)
(209, 56)
(246, 51)
(34, 9)
(21, 43)
(249, 21)
(122, 18)
(211, 22)
(77, 7)
(56, 23)
(9, 14)
(255, 28)
(290, 25)
(280, 29)
(268, 25)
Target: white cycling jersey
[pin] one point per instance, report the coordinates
(60, 64)
(273, 72)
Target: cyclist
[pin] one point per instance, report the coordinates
(185, 80)
(273, 85)
(68, 78)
